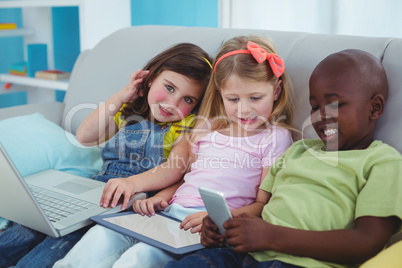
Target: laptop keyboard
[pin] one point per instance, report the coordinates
(58, 206)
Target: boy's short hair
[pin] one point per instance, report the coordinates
(370, 71)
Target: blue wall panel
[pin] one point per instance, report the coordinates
(195, 13)
(13, 99)
(11, 51)
(11, 48)
(66, 40)
(66, 37)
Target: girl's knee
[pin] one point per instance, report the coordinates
(98, 232)
(143, 255)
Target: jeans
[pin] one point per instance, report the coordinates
(99, 247)
(224, 258)
(23, 247)
(104, 248)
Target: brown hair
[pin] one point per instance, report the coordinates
(244, 66)
(186, 59)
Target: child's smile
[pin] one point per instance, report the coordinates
(164, 111)
(249, 120)
(329, 134)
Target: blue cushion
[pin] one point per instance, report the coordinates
(35, 144)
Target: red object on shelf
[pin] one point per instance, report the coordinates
(53, 71)
(52, 74)
(7, 86)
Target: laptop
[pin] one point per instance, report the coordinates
(38, 201)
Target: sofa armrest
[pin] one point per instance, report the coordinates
(51, 110)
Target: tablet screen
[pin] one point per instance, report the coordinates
(159, 228)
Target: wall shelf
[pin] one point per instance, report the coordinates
(17, 32)
(34, 82)
(97, 19)
(38, 3)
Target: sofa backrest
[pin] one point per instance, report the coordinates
(105, 69)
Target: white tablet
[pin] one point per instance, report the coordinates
(217, 208)
(160, 231)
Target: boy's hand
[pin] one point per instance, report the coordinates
(149, 205)
(193, 222)
(113, 191)
(210, 236)
(131, 91)
(247, 233)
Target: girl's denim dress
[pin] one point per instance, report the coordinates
(133, 150)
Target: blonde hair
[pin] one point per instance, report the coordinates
(244, 66)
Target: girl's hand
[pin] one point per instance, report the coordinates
(247, 233)
(113, 191)
(131, 91)
(193, 222)
(149, 205)
(210, 236)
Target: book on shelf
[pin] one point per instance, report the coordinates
(52, 74)
(8, 25)
(17, 73)
(19, 68)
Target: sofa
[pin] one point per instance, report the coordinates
(101, 71)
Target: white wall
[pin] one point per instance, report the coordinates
(350, 17)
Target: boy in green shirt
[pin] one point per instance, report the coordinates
(333, 202)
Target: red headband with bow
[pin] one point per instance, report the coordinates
(260, 55)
